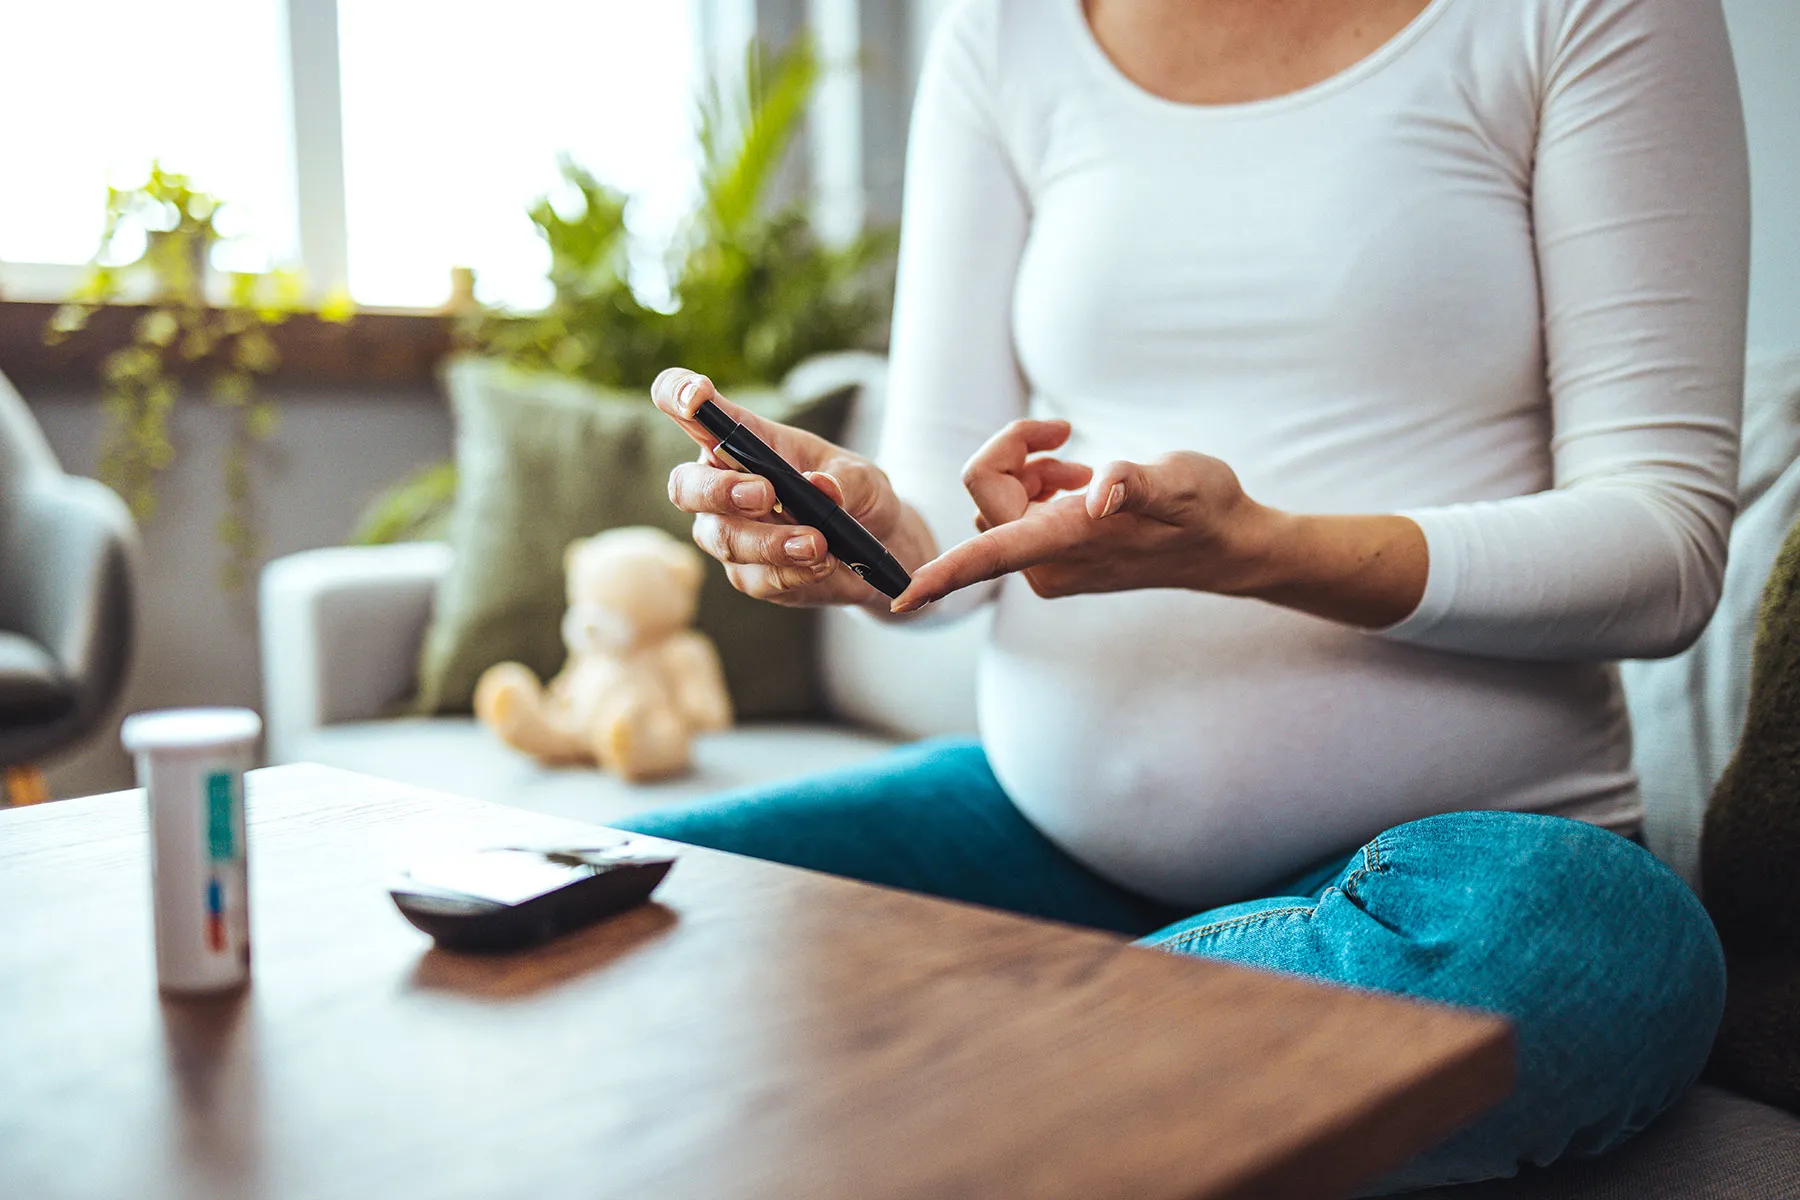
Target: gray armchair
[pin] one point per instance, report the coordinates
(68, 552)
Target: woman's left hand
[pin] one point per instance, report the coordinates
(1182, 521)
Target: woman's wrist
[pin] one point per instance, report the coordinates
(1368, 571)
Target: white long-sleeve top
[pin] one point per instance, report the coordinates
(1492, 277)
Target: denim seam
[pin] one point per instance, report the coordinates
(1188, 937)
(1372, 865)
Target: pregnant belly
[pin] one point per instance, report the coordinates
(1199, 748)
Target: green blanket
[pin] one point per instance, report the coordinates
(1750, 860)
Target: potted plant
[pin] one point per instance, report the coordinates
(754, 291)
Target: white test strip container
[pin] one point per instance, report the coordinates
(191, 761)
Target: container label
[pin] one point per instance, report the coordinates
(215, 916)
(220, 827)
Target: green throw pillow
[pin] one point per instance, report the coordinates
(543, 460)
(1750, 860)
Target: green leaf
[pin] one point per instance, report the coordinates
(415, 509)
(734, 178)
(157, 327)
(337, 307)
(261, 420)
(255, 352)
(231, 388)
(68, 319)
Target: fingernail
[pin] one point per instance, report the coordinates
(684, 397)
(749, 497)
(801, 549)
(1114, 499)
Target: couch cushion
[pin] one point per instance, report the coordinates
(454, 754)
(1713, 1145)
(1750, 861)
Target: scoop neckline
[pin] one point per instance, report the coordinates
(1369, 64)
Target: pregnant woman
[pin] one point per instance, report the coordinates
(1323, 393)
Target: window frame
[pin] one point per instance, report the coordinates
(316, 130)
(316, 140)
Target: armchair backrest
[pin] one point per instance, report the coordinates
(26, 460)
(68, 554)
(23, 450)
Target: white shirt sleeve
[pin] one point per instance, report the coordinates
(1640, 204)
(953, 378)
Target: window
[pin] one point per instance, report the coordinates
(94, 89)
(453, 114)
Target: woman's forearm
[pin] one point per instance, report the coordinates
(1367, 571)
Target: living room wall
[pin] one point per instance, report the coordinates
(1765, 37)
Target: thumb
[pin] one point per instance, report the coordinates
(859, 488)
(834, 490)
(828, 483)
(1122, 487)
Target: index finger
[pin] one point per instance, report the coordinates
(678, 392)
(1008, 449)
(992, 475)
(1032, 540)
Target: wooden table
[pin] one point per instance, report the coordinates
(760, 1032)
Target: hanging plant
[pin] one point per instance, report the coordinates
(182, 334)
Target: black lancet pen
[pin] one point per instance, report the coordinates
(855, 546)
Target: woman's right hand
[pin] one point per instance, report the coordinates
(765, 554)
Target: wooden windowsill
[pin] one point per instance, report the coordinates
(376, 346)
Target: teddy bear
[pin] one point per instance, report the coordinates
(638, 683)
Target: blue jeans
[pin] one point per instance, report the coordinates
(1600, 955)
